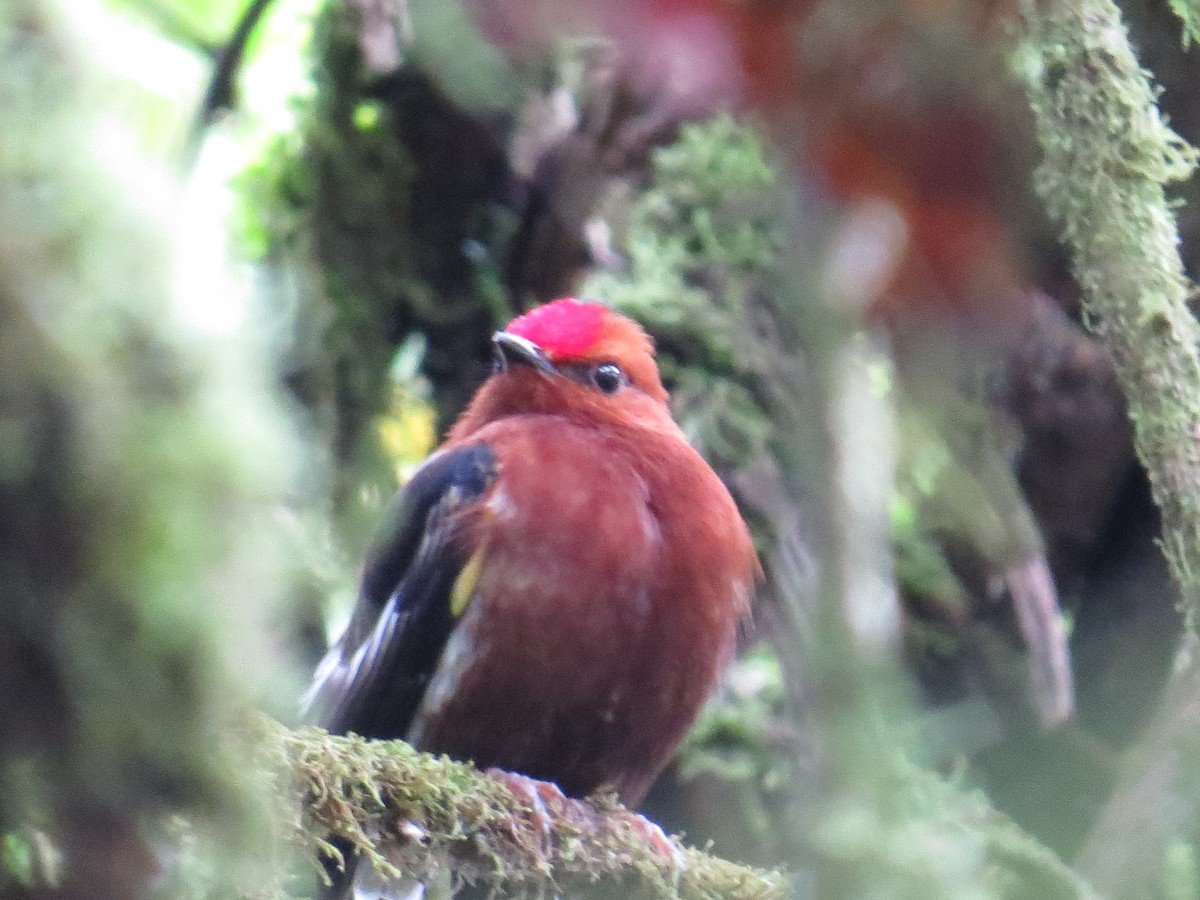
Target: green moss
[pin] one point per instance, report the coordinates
(702, 239)
(428, 816)
(1108, 157)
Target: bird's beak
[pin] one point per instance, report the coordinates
(518, 351)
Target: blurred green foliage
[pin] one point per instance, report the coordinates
(200, 23)
(143, 468)
(1181, 873)
(1189, 14)
(728, 738)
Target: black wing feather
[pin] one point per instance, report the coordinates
(371, 682)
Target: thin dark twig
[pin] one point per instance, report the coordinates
(219, 95)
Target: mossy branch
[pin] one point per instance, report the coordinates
(423, 815)
(1108, 155)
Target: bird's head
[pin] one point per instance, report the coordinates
(574, 357)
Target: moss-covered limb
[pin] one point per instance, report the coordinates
(420, 814)
(1108, 157)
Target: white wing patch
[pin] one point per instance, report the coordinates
(456, 658)
(329, 670)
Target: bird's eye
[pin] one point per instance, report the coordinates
(608, 377)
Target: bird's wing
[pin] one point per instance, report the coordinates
(372, 680)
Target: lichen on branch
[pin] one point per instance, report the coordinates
(424, 815)
(1108, 157)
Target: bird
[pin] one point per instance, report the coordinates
(556, 590)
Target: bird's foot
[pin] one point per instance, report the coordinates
(540, 801)
(541, 805)
(659, 842)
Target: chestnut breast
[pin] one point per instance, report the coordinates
(601, 609)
